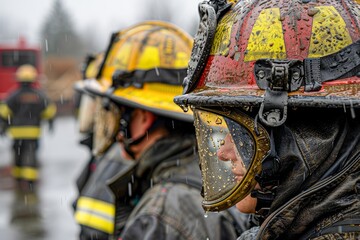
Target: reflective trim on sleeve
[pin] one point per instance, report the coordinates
(25, 132)
(96, 214)
(27, 173)
(5, 111)
(49, 112)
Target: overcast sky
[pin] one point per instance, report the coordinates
(102, 17)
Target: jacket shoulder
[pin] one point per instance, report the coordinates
(174, 209)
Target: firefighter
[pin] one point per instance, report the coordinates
(86, 107)
(157, 196)
(274, 87)
(23, 110)
(94, 207)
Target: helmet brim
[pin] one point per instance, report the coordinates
(151, 99)
(254, 97)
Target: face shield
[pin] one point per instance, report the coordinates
(106, 127)
(86, 113)
(231, 150)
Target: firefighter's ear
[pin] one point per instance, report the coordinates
(148, 118)
(141, 122)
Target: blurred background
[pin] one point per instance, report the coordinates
(67, 30)
(61, 33)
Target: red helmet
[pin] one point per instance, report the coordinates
(268, 56)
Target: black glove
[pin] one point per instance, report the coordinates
(51, 125)
(3, 127)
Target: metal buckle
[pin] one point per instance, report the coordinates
(279, 75)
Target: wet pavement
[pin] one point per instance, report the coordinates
(48, 213)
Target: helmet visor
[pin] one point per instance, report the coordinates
(86, 113)
(231, 149)
(107, 121)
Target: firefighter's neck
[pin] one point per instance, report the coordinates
(141, 123)
(148, 141)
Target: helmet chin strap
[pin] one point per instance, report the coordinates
(128, 141)
(268, 181)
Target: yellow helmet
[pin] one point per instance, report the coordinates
(26, 73)
(143, 67)
(92, 67)
(147, 65)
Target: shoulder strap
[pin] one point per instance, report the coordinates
(343, 226)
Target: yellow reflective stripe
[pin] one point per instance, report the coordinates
(266, 38)
(49, 112)
(93, 221)
(97, 206)
(25, 132)
(28, 173)
(5, 111)
(96, 214)
(332, 39)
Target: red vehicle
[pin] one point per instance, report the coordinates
(13, 56)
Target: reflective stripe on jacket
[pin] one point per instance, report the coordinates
(24, 109)
(96, 214)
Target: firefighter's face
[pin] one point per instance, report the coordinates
(229, 152)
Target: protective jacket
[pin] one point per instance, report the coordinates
(24, 109)
(95, 209)
(166, 184)
(318, 195)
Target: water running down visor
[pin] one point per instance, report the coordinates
(231, 149)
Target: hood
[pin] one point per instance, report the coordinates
(320, 167)
(170, 157)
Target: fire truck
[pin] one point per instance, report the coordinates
(11, 57)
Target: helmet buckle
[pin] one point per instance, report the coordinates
(279, 75)
(273, 110)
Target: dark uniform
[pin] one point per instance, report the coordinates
(24, 109)
(274, 87)
(164, 186)
(95, 209)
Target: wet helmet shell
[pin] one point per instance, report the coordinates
(238, 49)
(146, 66)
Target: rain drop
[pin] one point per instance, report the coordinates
(46, 45)
(184, 108)
(352, 111)
(129, 189)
